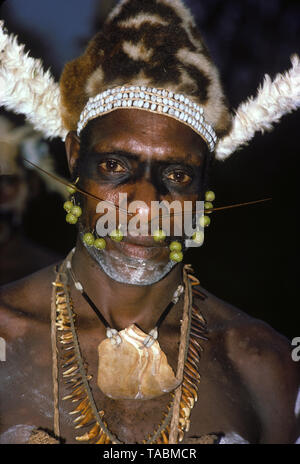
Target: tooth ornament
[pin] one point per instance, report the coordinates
(76, 378)
(146, 373)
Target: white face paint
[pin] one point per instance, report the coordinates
(129, 270)
(233, 438)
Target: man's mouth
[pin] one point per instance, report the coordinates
(140, 247)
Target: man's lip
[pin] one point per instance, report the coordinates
(144, 247)
(143, 241)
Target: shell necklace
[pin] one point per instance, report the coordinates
(132, 356)
(176, 419)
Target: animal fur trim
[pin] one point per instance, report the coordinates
(26, 88)
(273, 101)
(153, 43)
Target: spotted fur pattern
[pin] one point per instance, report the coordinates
(146, 42)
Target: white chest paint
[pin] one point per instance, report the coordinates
(297, 404)
(233, 438)
(18, 434)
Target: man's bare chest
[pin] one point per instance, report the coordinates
(223, 406)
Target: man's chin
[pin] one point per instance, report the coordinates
(133, 265)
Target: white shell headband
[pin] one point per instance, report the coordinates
(27, 89)
(159, 101)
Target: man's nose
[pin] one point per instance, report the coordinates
(140, 201)
(143, 191)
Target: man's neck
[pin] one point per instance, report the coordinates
(119, 303)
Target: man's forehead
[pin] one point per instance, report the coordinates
(145, 134)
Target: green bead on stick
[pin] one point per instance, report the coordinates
(77, 211)
(210, 196)
(208, 206)
(204, 221)
(176, 246)
(159, 235)
(89, 239)
(71, 219)
(68, 205)
(100, 244)
(71, 189)
(176, 256)
(116, 235)
(198, 237)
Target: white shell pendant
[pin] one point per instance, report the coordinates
(132, 371)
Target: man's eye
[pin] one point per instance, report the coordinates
(111, 166)
(180, 177)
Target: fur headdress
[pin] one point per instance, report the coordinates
(146, 43)
(149, 42)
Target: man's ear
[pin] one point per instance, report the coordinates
(72, 145)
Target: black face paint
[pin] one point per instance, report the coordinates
(162, 171)
(118, 168)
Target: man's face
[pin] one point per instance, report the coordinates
(149, 158)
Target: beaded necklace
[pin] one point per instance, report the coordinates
(176, 419)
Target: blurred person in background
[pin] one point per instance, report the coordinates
(19, 184)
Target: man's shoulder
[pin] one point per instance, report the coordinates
(247, 341)
(261, 359)
(25, 300)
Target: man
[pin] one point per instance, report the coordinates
(18, 185)
(142, 108)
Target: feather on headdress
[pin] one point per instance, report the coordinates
(25, 88)
(274, 99)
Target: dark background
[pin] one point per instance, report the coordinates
(250, 254)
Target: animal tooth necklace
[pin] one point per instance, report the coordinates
(176, 419)
(134, 357)
(113, 334)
